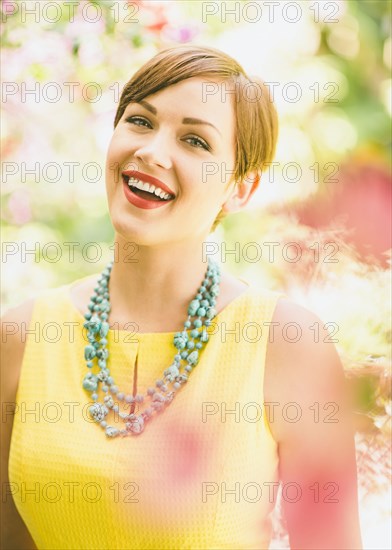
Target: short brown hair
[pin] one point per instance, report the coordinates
(256, 116)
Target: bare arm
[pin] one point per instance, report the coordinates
(14, 534)
(313, 428)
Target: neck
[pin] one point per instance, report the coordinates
(152, 286)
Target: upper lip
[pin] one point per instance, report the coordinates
(148, 179)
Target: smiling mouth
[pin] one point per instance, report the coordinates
(149, 192)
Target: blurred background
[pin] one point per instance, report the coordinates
(320, 223)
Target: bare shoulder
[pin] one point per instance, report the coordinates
(294, 329)
(13, 345)
(302, 364)
(14, 533)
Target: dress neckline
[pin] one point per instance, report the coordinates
(218, 316)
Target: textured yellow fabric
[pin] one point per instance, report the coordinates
(203, 474)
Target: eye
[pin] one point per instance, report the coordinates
(200, 142)
(135, 119)
(138, 121)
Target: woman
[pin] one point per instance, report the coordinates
(179, 433)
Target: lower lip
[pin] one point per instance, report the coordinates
(139, 201)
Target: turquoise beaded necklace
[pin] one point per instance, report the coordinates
(188, 348)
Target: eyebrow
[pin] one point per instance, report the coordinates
(186, 120)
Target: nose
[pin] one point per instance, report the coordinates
(155, 152)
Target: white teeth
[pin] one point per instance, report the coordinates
(149, 187)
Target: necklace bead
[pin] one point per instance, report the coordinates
(187, 349)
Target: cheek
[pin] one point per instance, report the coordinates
(112, 168)
(110, 160)
(205, 190)
(114, 148)
(115, 155)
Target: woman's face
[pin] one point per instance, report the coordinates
(192, 161)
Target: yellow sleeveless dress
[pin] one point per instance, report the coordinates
(202, 475)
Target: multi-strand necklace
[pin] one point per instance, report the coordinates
(188, 344)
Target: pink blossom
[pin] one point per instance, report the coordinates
(19, 207)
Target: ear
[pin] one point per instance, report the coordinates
(243, 190)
